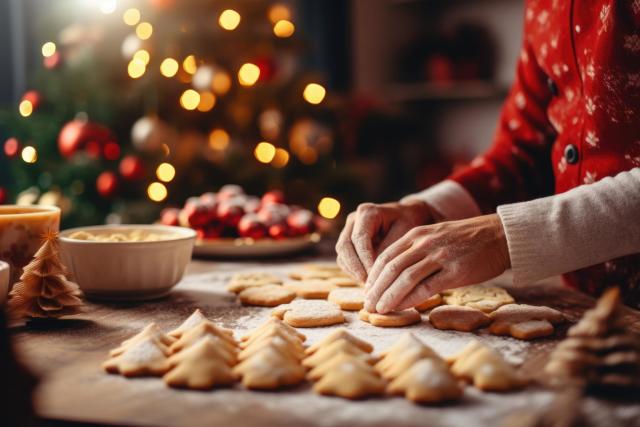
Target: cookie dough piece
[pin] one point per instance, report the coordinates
(338, 359)
(242, 281)
(406, 360)
(392, 319)
(351, 381)
(340, 333)
(486, 369)
(525, 321)
(340, 345)
(266, 296)
(432, 301)
(147, 357)
(427, 381)
(269, 369)
(192, 321)
(279, 324)
(481, 297)
(309, 313)
(351, 299)
(280, 342)
(200, 367)
(310, 289)
(406, 344)
(458, 318)
(203, 329)
(150, 331)
(531, 329)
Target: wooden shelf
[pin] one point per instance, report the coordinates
(455, 91)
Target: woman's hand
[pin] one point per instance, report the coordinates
(429, 259)
(373, 228)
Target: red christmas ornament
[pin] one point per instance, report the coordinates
(250, 226)
(229, 191)
(111, 151)
(33, 97)
(229, 212)
(4, 195)
(52, 62)
(252, 204)
(273, 196)
(278, 231)
(107, 184)
(132, 168)
(267, 68)
(196, 215)
(209, 198)
(77, 134)
(169, 216)
(11, 147)
(273, 213)
(211, 231)
(301, 222)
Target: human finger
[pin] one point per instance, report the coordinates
(405, 283)
(347, 256)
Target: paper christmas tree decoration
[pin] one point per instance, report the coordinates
(44, 290)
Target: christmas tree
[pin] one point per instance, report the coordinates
(159, 100)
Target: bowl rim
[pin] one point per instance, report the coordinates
(35, 210)
(187, 234)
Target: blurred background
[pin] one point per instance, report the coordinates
(116, 109)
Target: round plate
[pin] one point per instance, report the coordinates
(241, 247)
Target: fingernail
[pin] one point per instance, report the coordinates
(381, 307)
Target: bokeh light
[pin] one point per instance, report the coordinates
(144, 30)
(280, 159)
(25, 108)
(136, 68)
(284, 28)
(190, 99)
(329, 207)
(264, 152)
(11, 147)
(29, 154)
(229, 19)
(248, 74)
(221, 82)
(219, 139)
(165, 172)
(279, 12)
(131, 16)
(108, 6)
(314, 93)
(142, 55)
(207, 101)
(48, 49)
(169, 67)
(157, 191)
(189, 64)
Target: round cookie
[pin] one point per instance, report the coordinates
(458, 318)
(432, 301)
(310, 289)
(351, 299)
(242, 281)
(309, 313)
(266, 296)
(392, 319)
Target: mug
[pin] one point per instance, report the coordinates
(21, 231)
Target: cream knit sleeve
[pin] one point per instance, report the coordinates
(587, 225)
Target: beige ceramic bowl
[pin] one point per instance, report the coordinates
(127, 270)
(4, 282)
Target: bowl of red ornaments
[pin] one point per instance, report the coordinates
(231, 223)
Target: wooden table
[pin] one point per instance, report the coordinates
(74, 388)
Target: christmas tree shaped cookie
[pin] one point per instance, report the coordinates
(44, 290)
(340, 333)
(271, 323)
(427, 381)
(350, 380)
(339, 358)
(150, 331)
(339, 345)
(205, 328)
(270, 368)
(147, 357)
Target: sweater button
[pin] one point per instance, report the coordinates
(553, 87)
(571, 154)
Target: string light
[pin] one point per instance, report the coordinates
(144, 30)
(284, 28)
(221, 82)
(48, 49)
(248, 74)
(219, 139)
(190, 99)
(280, 159)
(136, 68)
(264, 152)
(157, 191)
(207, 101)
(314, 93)
(108, 6)
(229, 19)
(166, 172)
(329, 207)
(279, 12)
(142, 55)
(11, 147)
(29, 154)
(25, 108)
(131, 16)
(169, 67)
(189, 64)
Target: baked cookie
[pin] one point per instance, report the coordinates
(339, 358)
(345, 282)
(340, 333)
(147, 357)
(242, 281)
(432, 301)
(427, 381)
(310, 271)
(458, 318)
(269, 369)
(351, 299)
(271, 332)
(392, 319)
(280, 342)
(205, 328)
(194, 320)
(279, 324)
(482, 297)
(351, 381)
(266, 296)
(486, 369)
(150, 331)
(407, 344)
(524, 321)
(406, 341)
(310, 289)
(309, 313)
(338, 346)
(201, 367)
(403, 362)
